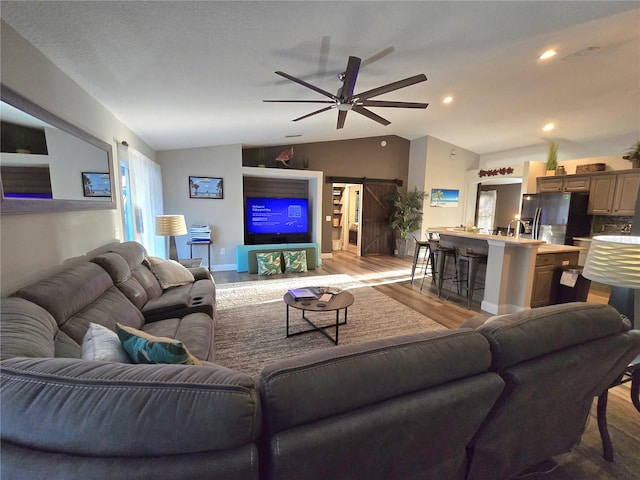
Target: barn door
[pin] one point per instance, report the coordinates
(377, 237)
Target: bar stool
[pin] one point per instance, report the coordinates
(421, 257)
(473, 259)
(441, 254)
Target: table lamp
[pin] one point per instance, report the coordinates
(615, 260)
(171, 225)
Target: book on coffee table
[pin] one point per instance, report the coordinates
(303, 293)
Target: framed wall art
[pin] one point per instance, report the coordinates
(441, 197)
(96, 184)
(205, 187)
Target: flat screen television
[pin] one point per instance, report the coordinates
(276, 220)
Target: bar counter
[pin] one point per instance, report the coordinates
(510, 265)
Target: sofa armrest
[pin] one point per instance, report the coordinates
(200, 273)
(112, 409)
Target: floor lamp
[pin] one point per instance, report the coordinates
(170, 226)
(615, 260)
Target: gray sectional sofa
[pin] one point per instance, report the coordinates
(472, 403)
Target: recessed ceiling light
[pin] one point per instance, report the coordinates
(447, 100)
(548, 127)
(548, 54)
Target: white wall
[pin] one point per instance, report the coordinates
(36, 244)
(432, 166)
(225, 216)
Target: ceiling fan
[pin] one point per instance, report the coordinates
(346, 100)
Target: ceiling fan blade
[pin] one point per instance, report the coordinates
(312, 113)
(392, 86)
(382, 103)
(342, 116)
(308, 85)
(350, 77)
(298, 101)
(371, 115)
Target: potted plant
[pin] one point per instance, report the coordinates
(406, 216)
(633, 155)
(552, 158)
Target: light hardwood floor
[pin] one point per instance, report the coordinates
(392, 276)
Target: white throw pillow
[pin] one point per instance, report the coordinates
(169, 272)
(102, 344)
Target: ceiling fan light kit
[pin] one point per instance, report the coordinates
(345, 100)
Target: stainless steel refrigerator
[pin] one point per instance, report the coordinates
(556, 217)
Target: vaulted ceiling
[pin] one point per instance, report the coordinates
(191, 74)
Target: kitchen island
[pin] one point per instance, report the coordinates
(510, 275)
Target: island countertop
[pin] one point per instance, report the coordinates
(461, 232)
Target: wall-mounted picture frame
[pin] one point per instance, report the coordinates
(96, 184)
(205, 187)
(441, 197)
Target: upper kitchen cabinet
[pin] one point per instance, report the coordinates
(601, 195)
(568, 183)
(624, 200)
(610, 193)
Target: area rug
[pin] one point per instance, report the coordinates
(250, 324)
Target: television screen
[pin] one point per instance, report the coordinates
(277, 216)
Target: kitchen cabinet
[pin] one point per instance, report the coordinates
(549, 184)
(610, 193)
(601, 195)
(543, 292)
(568, 183)
(614, 194)
(624, 200)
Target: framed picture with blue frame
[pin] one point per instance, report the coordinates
(205, 187)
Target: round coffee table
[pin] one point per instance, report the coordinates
(339, 301)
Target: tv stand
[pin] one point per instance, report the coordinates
(242, 252)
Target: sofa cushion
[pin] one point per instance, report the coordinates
(269, 263)
(120, 272)
(169, 272)
(134, 254)
(27, 330)
(295, 261)
(102, 344)
(145, 348)
(529, 334)
(79, 295)
(194, 330)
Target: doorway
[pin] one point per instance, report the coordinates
(345, 222)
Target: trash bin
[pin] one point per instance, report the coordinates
(570, 285)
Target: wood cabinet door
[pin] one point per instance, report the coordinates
(576, 184)
(542, 283)
(624, 202)
(549, 184)
(601, 194)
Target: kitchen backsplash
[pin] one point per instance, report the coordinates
(611, 225)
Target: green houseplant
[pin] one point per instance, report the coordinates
(552, 158)
(406, 216)
(633, 155)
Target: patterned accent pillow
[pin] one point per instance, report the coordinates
(169, 272)
(269, 263)
(295, 261)
(103, 345)
(145, 348)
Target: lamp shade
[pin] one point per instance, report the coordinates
(170, 225)
(614, 260)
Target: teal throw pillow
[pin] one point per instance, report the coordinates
(295, 261)
(269, 263)
(145, 348)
